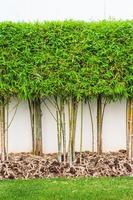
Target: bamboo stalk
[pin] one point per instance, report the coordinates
(59, 123)
(99, 124)
(64, 133)
(74, 110)
(130, 128)
(61, 131)
(70, 130)
(6, 131)
(9, 123)
(2, 128)
(127, 125)
(100, 116)
(58, 136)
(92, 126)
(81, 130)
(49, 110)
(31, 109)
(36, 125)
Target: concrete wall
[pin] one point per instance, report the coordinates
(114, 128)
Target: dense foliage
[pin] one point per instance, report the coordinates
(69, 58)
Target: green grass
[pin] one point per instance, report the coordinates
(68, 189)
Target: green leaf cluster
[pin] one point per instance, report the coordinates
(70, 58)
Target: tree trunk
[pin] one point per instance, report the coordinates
(2, 128)
(36, 125)
(99, 124)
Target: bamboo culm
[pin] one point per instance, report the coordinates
(36, 125)
(92, 126)
(2, 128)
(99, 124)
(81, 131)
(130, 129)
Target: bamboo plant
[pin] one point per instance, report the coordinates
(36, 125)
(69, 60)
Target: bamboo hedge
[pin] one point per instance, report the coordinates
(73, 61)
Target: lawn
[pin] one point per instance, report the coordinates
(68, 189)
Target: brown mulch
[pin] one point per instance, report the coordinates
(27, 166)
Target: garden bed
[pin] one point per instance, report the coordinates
(27, 166)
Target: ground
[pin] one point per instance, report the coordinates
(28, 166)
(120, 188)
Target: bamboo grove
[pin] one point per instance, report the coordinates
(73, 62)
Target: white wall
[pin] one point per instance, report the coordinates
(19, 133)
(114, 128)
(33, 10)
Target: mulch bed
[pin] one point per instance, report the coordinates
(27, 166)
